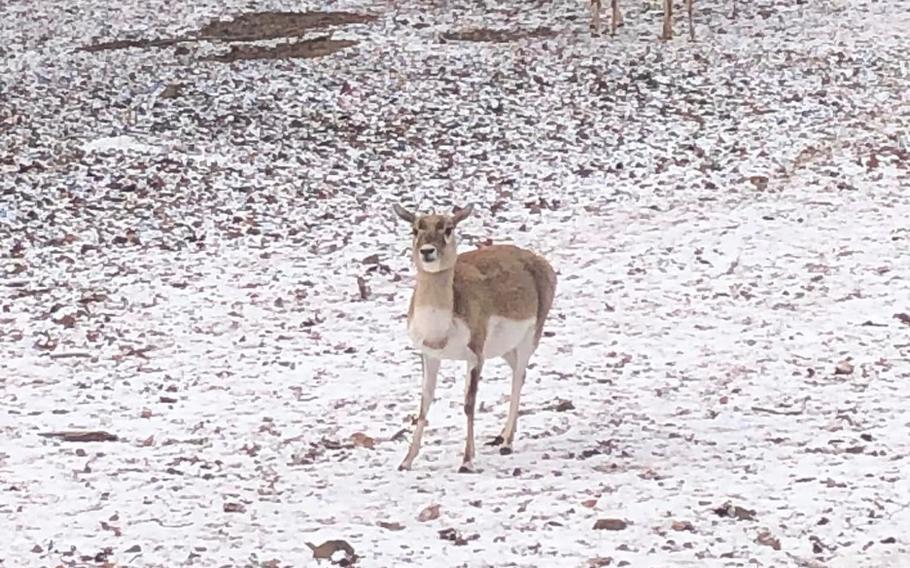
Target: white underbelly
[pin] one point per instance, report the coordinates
(504, 335)
(438, 334)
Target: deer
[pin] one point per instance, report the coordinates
(472, 307)
(616, 19)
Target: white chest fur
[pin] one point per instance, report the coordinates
(438, 334)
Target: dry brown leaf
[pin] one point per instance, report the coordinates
(845, 367)
(728, 509)
(760, 182)
(67, 321)
(767, 539)
(429, 513)
(682, 526)
(361, 440)
(328, 548)
(391, 526)
(234, 508)
(589, 503)
(363, 288)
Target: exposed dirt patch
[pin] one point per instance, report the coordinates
(255, 26)
(497, 36)
(305, 49)
(272, 25)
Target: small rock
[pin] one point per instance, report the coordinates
(172, 91)
(610, 525)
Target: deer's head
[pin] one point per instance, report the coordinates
(434, 246)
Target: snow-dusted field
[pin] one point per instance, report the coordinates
(182, 238)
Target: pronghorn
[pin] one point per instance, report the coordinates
(616, 18)
(487, 303)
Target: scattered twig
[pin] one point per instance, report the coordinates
(73, 355)
(399, 435)
(158, 521)
(782, 412)
(903, 507)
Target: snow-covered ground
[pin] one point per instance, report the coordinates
(182, 238)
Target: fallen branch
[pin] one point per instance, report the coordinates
(86, 436)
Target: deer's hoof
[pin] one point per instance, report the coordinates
(466, 467)
(505, 450)
(497, 441)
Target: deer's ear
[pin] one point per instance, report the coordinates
(404, 214)
(462, 213)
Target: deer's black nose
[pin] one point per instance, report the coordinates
(428, 252)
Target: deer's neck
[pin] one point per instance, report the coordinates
(435, 290)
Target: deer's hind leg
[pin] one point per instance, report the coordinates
(595, 16)
(518, 360)
(470, 400)
(667, 32)
(616, 17)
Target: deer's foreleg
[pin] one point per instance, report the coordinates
(428, 391)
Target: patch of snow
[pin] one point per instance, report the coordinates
(728, 219)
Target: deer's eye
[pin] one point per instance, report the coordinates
(414, 231)
(448, 232)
